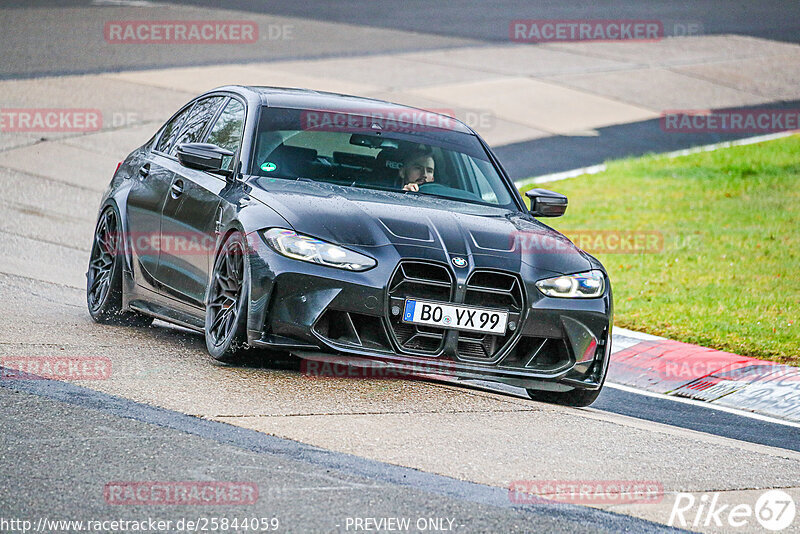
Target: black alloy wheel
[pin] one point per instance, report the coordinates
(226, 321)
(104, 276)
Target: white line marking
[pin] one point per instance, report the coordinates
(618, 330)
(594, 169)
(556, 176)
(728, 144)
(704, 404)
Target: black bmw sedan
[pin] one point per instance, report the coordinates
(322, 224)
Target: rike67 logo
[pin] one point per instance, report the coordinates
(774, 510)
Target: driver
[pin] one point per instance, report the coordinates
(417, 169)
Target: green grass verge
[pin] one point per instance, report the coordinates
(728, 273)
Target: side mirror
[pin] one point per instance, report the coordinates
(546, 203)
(204, 157)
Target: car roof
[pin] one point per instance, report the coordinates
(293, 98)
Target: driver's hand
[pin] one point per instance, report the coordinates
(413, 186)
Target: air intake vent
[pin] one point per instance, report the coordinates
(352, 330)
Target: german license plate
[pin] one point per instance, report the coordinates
(454, 316)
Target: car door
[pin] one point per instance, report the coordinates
(149, 189)
(190, 211)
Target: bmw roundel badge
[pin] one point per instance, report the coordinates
(459, 261)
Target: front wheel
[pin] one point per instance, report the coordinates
(576, 397)
(226, 301)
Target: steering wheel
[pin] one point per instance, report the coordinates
(432, 188)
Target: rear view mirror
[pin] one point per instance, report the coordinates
(204, 157)
(546, 203)
(372, 141)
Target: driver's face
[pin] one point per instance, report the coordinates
(418, 170)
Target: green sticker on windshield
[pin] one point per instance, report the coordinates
(268, 166)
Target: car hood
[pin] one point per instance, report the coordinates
(363, 219)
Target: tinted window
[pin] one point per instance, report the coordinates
(195, 125)
(377, 153)
(227, 131)
(171, 130)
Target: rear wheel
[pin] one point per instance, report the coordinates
(104, 276)
(226, 317)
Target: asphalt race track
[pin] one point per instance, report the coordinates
(324, 454)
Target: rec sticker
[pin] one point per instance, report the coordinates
(268, 166)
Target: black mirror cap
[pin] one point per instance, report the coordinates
(545, 203)
(204, 157)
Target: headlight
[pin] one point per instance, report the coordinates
(304, 248)
(581, 285)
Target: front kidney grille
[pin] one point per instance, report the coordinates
(425, 281)
(491, 289)
(430, 281)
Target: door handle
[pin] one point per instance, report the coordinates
(144, 170)
(177, 189)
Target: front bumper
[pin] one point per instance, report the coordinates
(313, 311)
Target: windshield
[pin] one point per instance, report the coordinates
(401, 154)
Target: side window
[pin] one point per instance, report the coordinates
(197, 121)
(171, 130)
(227, 131)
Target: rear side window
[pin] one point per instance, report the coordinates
(198, 120)
(171, 130)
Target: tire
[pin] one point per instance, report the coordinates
(226, 301)
(576, 397)
(104, 275)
